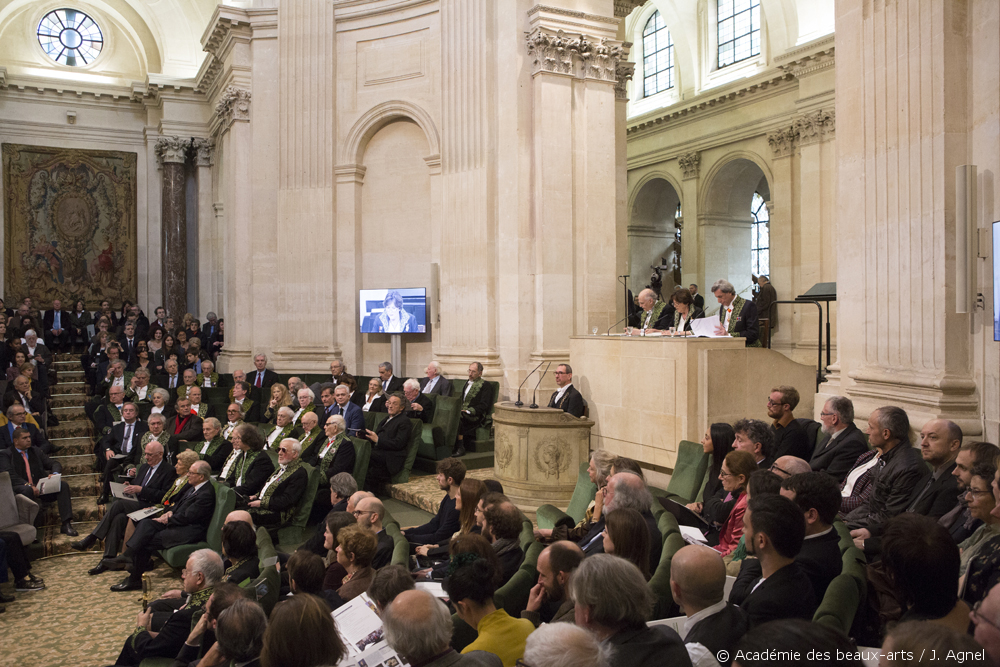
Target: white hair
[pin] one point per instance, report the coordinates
(308, 392)
(207, 561)
(292, 443)
(411, 384)
(436, 366)
(418, 637)
(30, 332)
(287, 411)
(339, 421)
(724, 286)
(213, 422)
(565, 645)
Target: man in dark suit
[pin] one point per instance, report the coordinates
(185, 424)
(788, 438)
(737, 316)
(369, 513)
(122, 441)
(186, 524)
(418, 406)
(283, 490)
(109, 412)
(567, 397)
(338, 375)
(547, 601)
(35, 351)
(435, 383)
(477, 397)
(262, 378)
(204, 569)
(55, 327)
(774, 532)
(390, 383)
(17, 418)
(844, 442)
(697, 583)
(129, 342)
(698, 299)
(209, 329)
(818, 496)
(28, 466)
(337, 401)
(150, 482)
(390, 441)
(614, 602)
(21, 394)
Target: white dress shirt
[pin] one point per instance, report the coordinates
(430, 384)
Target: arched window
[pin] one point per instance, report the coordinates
(760, 238)
(70, 37)
(739, 30)
(657, 56)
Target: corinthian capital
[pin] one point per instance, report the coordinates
(202, 152)
(561, 53)
(172, 150)
(234, 105)
(690, 164)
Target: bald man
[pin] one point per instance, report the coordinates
(697, 582)
(786, 466)
(418, 627)
(656, 315)
(240, 515)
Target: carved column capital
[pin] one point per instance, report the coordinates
(623, 74)
(203, 152)
(234, 105)
(575, 55)
(815, 126)
(624, 7)
(172, 150)
(690, 164)
(782, 142)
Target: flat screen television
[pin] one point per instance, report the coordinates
(395, 310)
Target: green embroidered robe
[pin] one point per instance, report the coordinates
(276, 479)
(309, 440)
(739, 303)
(473, 391)
(216, 442)
(327, 456)
(200, 380)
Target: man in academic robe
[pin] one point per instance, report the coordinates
(737, 316)
(655, 314)
(213, 448)
(477, 397)
(283, 490)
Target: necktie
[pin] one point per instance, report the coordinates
(55, 324)
(173, 381)
(24, 400)
(257, 383)
(145, 480)
(385, 386)
(128, 438)
(27, 467)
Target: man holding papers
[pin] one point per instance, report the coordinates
(151, 481)
(29, 468)
(120, 446)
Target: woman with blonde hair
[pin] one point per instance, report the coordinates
(600, 469)
(280, 398)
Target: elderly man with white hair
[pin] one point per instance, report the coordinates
(656, 315)
(34, 351)
(564, 645)
(285, 427)
(435, 383)
(305, 397)
(418, 406)
(214, 448)
(737, 316)
(283, 490)
(418, 627)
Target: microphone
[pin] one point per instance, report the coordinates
(519, 403)
(615, 324)
(533, 403)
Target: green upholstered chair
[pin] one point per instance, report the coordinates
(216, 394)
(659, 583)
(550, 516)
(437, 439)
(292, 533)
(373, 419)
(225, 502)
(527, 535)
(839, 604)
(512, 597)
(362, 454)
(271, 580)
(265, 547)
(400, 546)
(463, 634)
(689, 472)
(846, 541)
(403, 475)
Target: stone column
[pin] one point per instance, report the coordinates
(902, 96)
(207, 228)
(692, 266)
(172, 154)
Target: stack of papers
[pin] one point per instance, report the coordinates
(361, 629)
(692, 535)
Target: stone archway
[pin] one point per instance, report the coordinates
(652, 233)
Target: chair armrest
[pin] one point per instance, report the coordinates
(27, 509)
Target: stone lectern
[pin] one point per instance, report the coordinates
(538, 453)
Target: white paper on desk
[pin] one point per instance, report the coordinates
(358, 624)
(118, 491)
(50, 484)
(705, 326)
(377, 655)
(433, 587)
(692, 535)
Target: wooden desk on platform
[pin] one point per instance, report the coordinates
(537, 453)
(648, 394)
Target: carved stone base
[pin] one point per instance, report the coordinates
(538, 453)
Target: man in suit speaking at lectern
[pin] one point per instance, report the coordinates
(567, 398)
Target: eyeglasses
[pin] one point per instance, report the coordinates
(770, 402)
(975, 493)
(774, 468)
(723, 473)
(976, 615)
(827, 414)
(284, 450)
(358, 513)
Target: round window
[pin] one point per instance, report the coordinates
(70, 37)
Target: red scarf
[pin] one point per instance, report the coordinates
(181, 424)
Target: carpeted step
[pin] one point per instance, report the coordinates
(73, 429)
(73, 446)
(67, 400)
(68, 375)
(52, 543)
(79, 464)
(84, 510)
(424, 492)
(69, 413)
(63, 388)
(66, 357)
(83, 484)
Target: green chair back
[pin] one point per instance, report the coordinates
(689, 471)
(846, 541)
(403, 475)
(673, 542)
(271, 579)
(362, 454)
(400, 546)
(512, 597)
(438, 437)
(225, 502)
(839, 605)
(265, 547)
(373, 419)
(292, 533)
(549, 516)
(463, 634)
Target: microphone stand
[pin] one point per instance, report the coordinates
(534, 405)
(518, 403)
(615, 324)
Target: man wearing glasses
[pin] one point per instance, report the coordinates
(843, 443)
(283, 490)
(567, 398)
(789, 439)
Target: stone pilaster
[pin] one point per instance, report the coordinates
(208, 238)
(171, 153)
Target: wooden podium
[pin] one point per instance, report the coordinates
(538, 452)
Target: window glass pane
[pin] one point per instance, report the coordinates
(725, 31)
(726, 54)
(725, 9)
(742, 48)
(658, 56)
(741, 5)
(755, 43)
(70, 37)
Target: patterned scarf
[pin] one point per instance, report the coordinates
(282, 434)
(473, 390)
(212, 446)
(243, 466)
(278, 478)
(232, 568)
(328, 455)
(230, 460)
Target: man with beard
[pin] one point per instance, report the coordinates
(548, 602)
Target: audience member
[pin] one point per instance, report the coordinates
(306, 573)
(786, 466)
(417, 405)
(280, 398)
(985, 616)
(301, 632)
(774, 532)
(284, 427)
(625, 536)
(565, 645)
(354, 416)
(613, 601)
(240, 632)
(754, 436)
(717, 441)
(981, 504)
(374, 399)
(185, 424)
(599, 469)
(239, 548)
(697, 584)
(435, 383)
(736, 471)
(387, 583)
(817, 496)
(333, 578)
(626, 490)
(795, 637)
(959, 520)
(470, 588)
(788, 438)
(214, 449)
(450, 474)
(418, 627)
(262, 377)
(390, 442)
(28, 466)
(252, 467)
(547, 601)
(369, 513)
(477, 397)
(925, 643)
(843, 442)
(355, 551)
(278, 499)
(503, 527)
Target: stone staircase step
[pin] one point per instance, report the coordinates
(67, 400)
(73, 446)
(75, 464)
(84, 510)
(69, 413)
(76, 388)
(71, 429)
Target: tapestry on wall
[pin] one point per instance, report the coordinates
(70, 225)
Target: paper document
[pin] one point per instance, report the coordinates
(50, 484)
(139, 515)
(118, 491)
(692, 535)
(358, 624)
(377, 655)
(705, 326)
(433, 587)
